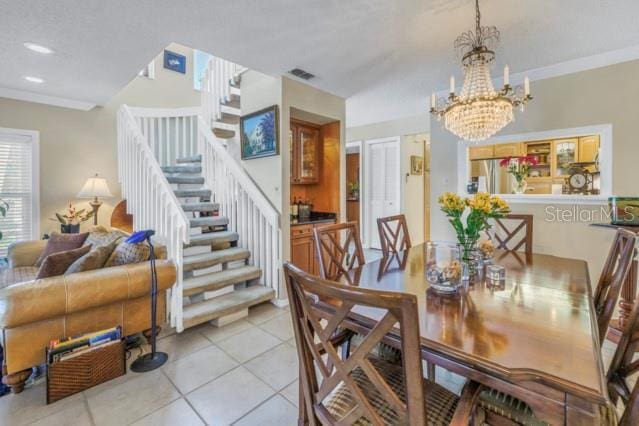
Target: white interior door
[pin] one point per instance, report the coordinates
(383, 190)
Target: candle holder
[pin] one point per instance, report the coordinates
(495, 275)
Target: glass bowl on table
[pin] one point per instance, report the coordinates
(443, 267)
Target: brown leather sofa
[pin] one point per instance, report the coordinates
(34, 312)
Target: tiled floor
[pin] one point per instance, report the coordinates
(244, 373)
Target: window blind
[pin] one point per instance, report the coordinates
(16, 189)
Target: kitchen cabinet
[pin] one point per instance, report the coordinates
(303, 253)
(481, 152)
(588, 148)
(503, 150)
(306, 153)
(565, 152)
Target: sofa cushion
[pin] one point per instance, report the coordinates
(57, 263)
(125, 254)
(100, 236)
(95, 259)
(20, 274)
(61, 242)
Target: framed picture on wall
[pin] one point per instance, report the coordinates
(174, 62)
(259, 133)
(416, 165)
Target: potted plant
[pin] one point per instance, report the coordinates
(70, 222)
(519, 167)
(353, 189)
(469, 217)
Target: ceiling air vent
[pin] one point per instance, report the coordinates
(300, 73)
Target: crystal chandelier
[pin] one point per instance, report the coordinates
(479, 111)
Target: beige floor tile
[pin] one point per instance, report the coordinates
(117, 403)
(291, 342)
(30, 405)
(179, 345)
(277, 411)
(277, 367)
(264, 312)
(196, 369)
(280, 327)
(178, 412)
(291, 392)
(227, 398)
(215, 334)
(75, 414)
(248, 344)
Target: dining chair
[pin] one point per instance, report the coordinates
(612, 277)
(514, 231)
(364, 389)
(622, 367)
(393, 234)
(339, 250)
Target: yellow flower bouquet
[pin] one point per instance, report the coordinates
(469, 216)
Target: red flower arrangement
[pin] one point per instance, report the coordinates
(519, 166)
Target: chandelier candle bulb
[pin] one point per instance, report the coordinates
(526, 86)
(433, 101)
(452, 84)
(506, 76)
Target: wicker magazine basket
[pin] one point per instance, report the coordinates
(70, 376)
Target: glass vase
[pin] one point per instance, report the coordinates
(519, 186)
(443, 267)
(471, 258)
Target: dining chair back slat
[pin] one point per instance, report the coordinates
(622, 367)
(612, 277)
(514, 231)
(322, 370)
(393, 234)
(339, 249)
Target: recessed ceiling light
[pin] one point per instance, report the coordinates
(31, 79)
(38, 48)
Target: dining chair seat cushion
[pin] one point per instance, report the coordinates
(507, 406)
(440, 402)
(381, 350)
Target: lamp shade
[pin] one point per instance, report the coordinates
(95, 187)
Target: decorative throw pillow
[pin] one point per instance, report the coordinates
(57, 263)
(126, 253)
(61, 242)
(100, 236)
(94, 259)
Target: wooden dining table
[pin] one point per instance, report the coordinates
(534, 337)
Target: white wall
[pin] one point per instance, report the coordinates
(261, 91)
(77, 144)
(413, 133)
(601, 96)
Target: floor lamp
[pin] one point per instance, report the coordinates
(154, 359)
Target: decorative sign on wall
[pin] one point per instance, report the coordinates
(174, 62)
(416, 165)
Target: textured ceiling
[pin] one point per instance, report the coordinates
(386, 56)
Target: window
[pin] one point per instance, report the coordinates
(561, 165)
(148, 71)
(200, 61)
(19, 186)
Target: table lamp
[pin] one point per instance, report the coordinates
(93, 188)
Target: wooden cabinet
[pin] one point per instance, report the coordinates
(565, 152)
(481, 152)
(508, 150)
(303, 253)
(303, 248)
(539, 188)
(588, 148)
(306, 153)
